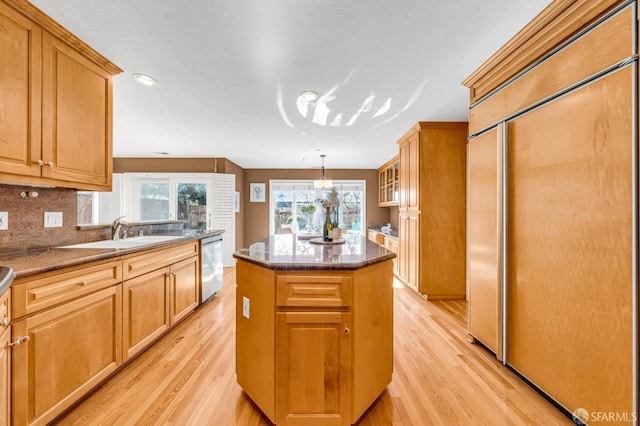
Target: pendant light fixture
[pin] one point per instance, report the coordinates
(323, 182)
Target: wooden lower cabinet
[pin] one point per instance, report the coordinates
(71, 348)
(5, 358)
(392, 244)
(5, 377)
(316, 347)
(154, 301)
(409, 249)
(313, 368)
(81, 323)
(145, 313)
(184, 288)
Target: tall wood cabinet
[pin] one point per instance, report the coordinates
(56, 103)
(431, 226)
(553, 204)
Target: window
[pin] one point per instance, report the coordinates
(296, 206)
(200, 200)
(95, 208)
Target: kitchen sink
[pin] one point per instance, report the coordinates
(125, 242)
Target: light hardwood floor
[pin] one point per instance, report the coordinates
(188, 376)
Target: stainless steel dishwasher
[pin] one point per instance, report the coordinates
(211, 264)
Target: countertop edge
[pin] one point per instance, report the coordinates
(86, 255)
(314, 266)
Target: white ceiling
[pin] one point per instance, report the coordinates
(230, 72)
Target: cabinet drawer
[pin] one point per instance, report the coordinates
(43, 291)
(391, 244)
(137, 265)
(313, 290)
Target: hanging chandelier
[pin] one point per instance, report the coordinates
(323, 182)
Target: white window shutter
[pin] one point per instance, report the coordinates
(223, 214)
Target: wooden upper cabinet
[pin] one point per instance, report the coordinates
(389, 181)
(55, 104)
(19, 94)
(409, 171)
(76, 116)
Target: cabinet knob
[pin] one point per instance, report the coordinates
(19, 341)
(5, 321)
(39, 162)
(347, 330)
(50, 164)
(82, 283)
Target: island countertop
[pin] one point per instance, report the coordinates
(287, 251)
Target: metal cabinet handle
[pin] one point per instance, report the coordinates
(50, 164)
(347, 330)
(20, 341)
(5, 321)
(82, 283)
(39, 162)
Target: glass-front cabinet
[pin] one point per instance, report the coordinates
(388, 179)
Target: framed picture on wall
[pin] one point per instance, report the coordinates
(257, 192)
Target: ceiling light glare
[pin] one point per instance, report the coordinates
(309, 95)
(147, 80)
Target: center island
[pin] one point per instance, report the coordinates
(314, 327)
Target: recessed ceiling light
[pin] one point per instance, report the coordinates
(309, 95)
(147, 80)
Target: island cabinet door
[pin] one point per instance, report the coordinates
(63, 353)
(313, 368)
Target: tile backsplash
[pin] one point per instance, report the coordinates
(26, 220)
(26, 217)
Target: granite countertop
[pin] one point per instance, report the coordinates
(287, 252)
(31, 262)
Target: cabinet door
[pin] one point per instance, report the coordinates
(184, 288)
(570, 245)
(409, 249)
(484, 225)
(410, 172)
(5, 377)
(20, 47)
(76, 116)
(313, 368)
(71, 349)
(145, 313)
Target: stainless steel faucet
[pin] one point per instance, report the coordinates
(115, 228)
